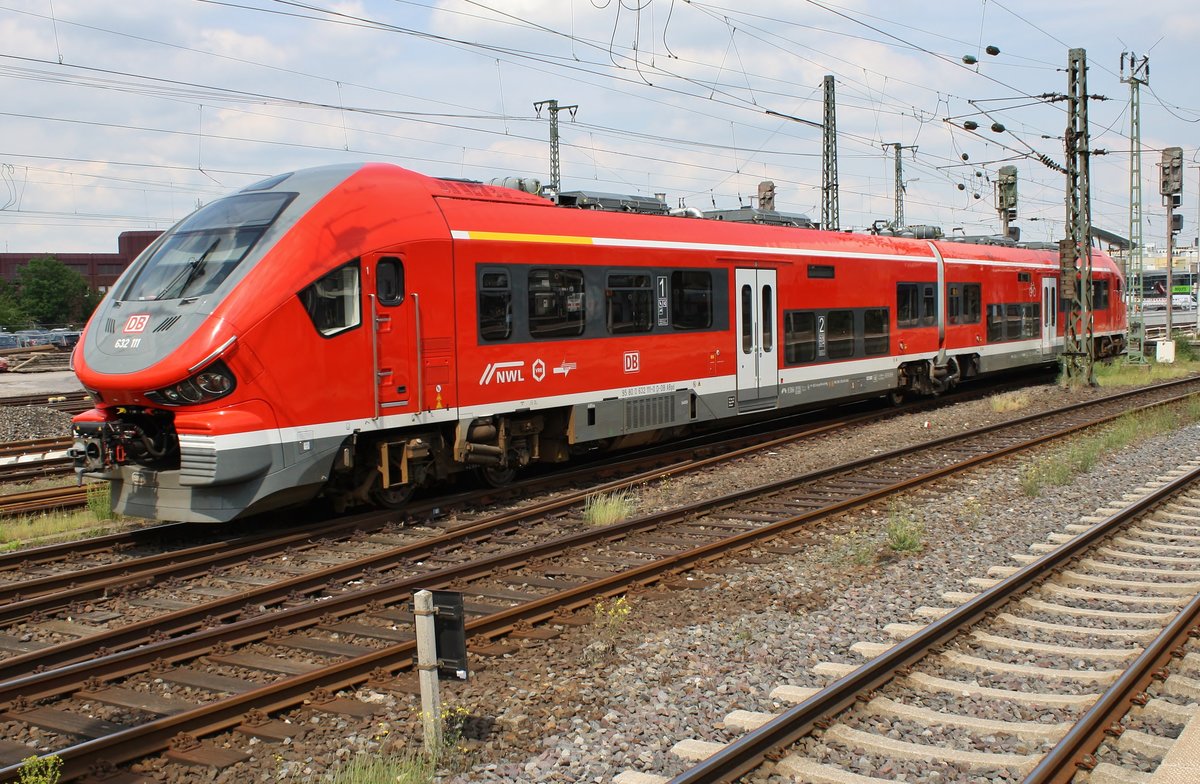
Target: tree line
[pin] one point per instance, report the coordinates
(46, 292)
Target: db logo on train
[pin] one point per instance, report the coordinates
(137, 322)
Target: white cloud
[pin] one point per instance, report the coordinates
(686, 114)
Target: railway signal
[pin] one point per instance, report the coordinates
(1171, 187)
(1171, 182)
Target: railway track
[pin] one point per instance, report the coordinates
(55, 576)
(68, 402)
(1086, 650)
(37, 458)
(37, 580)
(31, 501)
(324, 629)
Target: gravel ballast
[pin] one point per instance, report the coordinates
(568, 710)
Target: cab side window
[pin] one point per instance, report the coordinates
(332, 301)
(389, 280)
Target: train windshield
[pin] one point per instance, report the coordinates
(206, 247)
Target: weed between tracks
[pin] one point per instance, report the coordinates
(1010, 401)
(407, 766)
(1082, 454)
(98, 518)
(40, 770)
(904, 532)
(608, 508)
(1122, 374)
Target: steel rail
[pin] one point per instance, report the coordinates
(747, 753)
(730, 446)
(41, 594)
(41, 500)
(70, 402)
(92, 582)
(33, 445)
(1074, 751)
(32, 470)
(189, 619)
(228, 712)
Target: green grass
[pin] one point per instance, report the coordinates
(1184, 350)
(40, 770)
(1120, 373)
(854, 546)
(99, 501)
(904, 533)
(607, 508)
(1082, 454)
(30, 529)
(1010, 401)
(400, 768)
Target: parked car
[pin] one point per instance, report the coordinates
(32, 337)
(64, 338)
(8, 340)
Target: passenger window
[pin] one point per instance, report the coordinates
(1013, 313)
(332, 301)
(995, 323)
(691, 299)
(908, 312)
(972, 301)
(1030, 316)
(747, 319)
(556, 303)
(768, 320)
(962, 303)
(629, 304)
(495, 305)
(928, 305)
(799, 337)
(389, 281)
(875, 331)
(840, 332)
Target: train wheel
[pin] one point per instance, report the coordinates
(895, 397)
(496, 476)
(392, 497)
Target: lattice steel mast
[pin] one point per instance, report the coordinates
(1139, 74)
(897, 147)
(554, 109)
(1075, 252)
(829, 176)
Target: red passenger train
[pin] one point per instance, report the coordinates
(360, 331)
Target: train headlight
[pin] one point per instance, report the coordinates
(215, 381)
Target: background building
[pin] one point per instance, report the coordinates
(100, 270)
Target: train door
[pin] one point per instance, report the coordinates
(758, 363)
(1049, 314)
(393, 314)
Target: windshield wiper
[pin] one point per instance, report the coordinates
(189, 273)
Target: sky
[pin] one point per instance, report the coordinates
(129, 115)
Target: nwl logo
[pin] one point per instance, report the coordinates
(502, 373)
(137, 322)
